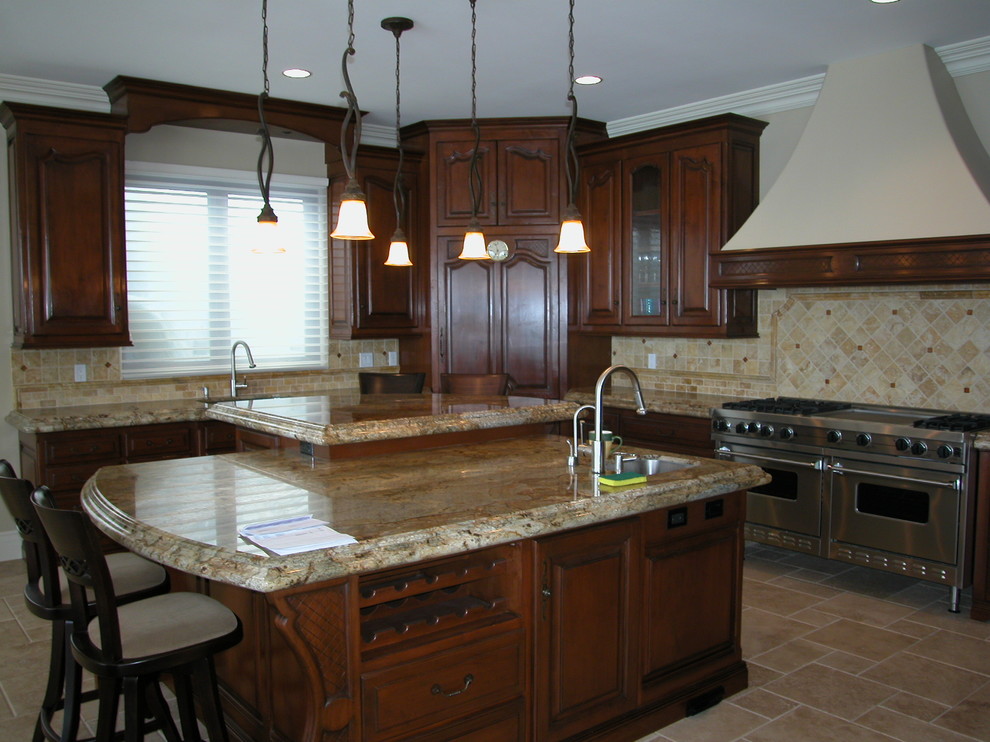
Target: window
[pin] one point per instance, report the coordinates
(202, 273)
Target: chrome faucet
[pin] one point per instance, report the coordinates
(597, 445)
(234, 386)
(572, 459)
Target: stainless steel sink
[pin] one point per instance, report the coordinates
(649, 464)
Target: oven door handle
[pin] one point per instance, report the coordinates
(955, 484)
(727, 453)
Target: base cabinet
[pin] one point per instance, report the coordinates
(981, 549)
(607, 632)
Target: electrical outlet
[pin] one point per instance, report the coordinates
(366, 360)
(79, 372)
(393, 358)
(651, 360)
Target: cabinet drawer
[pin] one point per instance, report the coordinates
(219, 437)
(159, 442)
(442, 687)
(504, 724)
(70, 478)
(93, 445)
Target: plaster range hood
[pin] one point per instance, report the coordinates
(889, 163)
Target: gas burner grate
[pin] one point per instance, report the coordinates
(788, 405)
(959, 421)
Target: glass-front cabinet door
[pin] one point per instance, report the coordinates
(646, 253)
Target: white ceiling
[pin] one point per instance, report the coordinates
(653, 54)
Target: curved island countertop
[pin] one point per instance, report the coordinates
(349, 417)
(401, 508)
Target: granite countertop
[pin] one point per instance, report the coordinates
(668, 403)
(349, 417)
(401, 508)
(85, 417)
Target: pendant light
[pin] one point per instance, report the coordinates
(398, 250)
(267, 215)
(352, 218)
(474, 247)
(571, 227)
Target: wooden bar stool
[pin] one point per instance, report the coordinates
(373, 382)
(128, 646)
(47, 597)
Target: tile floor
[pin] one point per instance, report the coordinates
(835, 653)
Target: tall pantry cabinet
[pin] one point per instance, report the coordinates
(499, 316)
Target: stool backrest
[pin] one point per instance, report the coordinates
(77, 543)
(44, 588)
(373, 382)
(474, 383)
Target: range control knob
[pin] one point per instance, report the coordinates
(864, 439)
(742, 428)
(786, 433)
(902, 444)
(721, 425)
(944, 451)
(766, 431)
(755, 427)
(834, 436)
(920, 448)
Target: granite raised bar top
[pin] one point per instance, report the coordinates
(668, 403)
(349, 417)
(401, 508)
(115, 415)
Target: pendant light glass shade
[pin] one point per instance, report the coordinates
(398, 251)
(475, 247)
(352, 217)
(572, 233)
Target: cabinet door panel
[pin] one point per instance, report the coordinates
(453, 164)
(599, 270)
(469, 344)
(586, 636)
(695, 234)
(529, 317)
(645, 234)
(528, 183)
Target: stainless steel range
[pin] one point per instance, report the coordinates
(884, 487)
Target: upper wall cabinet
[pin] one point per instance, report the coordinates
(657, 207)
(367, 297)
(67, 227)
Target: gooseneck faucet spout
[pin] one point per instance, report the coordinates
(597, 445)
(234, 386)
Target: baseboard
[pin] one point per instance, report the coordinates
(10, 546)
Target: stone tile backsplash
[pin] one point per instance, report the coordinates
(45, 378)
(920, 347)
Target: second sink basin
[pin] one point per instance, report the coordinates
(650, 465)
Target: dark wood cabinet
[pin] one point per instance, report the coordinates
(663, 432)
(367, 297)
(67, 225)
(587, 628)
(657, 207)
(981, 547)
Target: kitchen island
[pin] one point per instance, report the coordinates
(492, 593)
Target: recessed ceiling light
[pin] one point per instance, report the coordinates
(588, 80)
(883, 2)
(296, 72)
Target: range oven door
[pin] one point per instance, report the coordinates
(792, 500)
(897, 508)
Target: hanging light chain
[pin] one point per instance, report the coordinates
(267, 151)
(474, 175)
(571, 163)
(349, 154)
(398, 192)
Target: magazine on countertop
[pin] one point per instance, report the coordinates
(294, 535)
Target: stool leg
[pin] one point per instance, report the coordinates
(205, 682)
(133, 709)
(108, 692)
(52, 700)
(187, 706)
(73, 689)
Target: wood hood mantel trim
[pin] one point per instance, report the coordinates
(929, 260)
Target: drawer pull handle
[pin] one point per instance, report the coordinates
(438, 691)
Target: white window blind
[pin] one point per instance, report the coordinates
(202, 273)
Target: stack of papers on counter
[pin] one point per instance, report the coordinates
(293, 535)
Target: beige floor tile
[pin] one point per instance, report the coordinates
(927, 678)
(760, 675)
(763, 631)
(718, 724)
(775, 599)
(814, 617)
(17, 729)
(846, 662)
(761, 569)
(921, 595)
(807, 725)
(861, 640)
(763, 703)
(938, 617)
(906, 728)
(956, 649)
(804, 586)
(971, 717)
(911, 705)
(832, 691)
(789, 657)
(912, 628)
(871, 582)
(864, 610)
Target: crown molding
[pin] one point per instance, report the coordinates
(964, 58)
(17, 89)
